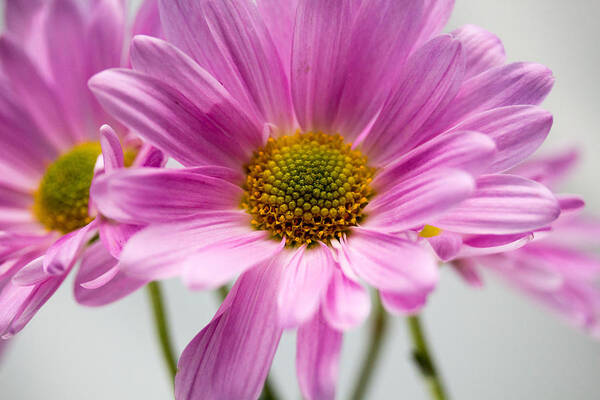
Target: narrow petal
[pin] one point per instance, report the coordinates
(63, 254)
(19, 16)
(518, 131)
(390, 263)
(231, 357)
(436, 14)
(403, 304)
(114, 235)
(570, 203)
(317, 358)
(346, 303)
(19, 304)
(112, 153)
(383, 35)
(551, 169)
(193, 135)
(507, 85)
(418, 200)
(230, 40)
(467, 269)
(222, 260)
(446, 245)
(147, 20)
(305, 278)
(96, 263)
(106, 34)
(163, 61)
(483, 50)
(279, 17)
(479, 245)
(160, 250)
(468, 151)
(431, 79)
(503, 204)
(146, 195)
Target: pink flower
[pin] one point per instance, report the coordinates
(318, 138)
(557, 268)
(49, 144)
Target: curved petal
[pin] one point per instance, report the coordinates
(346, 303)
(518, 131)
(96, 263)
(221, 261)
(229, 39)
(468, 151)
(503, 204)
(114, 235)
(146, 195)
(63, 254)
(160, 250)
(446, 245)
(416, 201)
(431, 79)
(483, 50)
(436, 14)
(317, 358)
(163, 61)
(279, 17)
(570, 203)
(193, 134)
(550, 169)
(402, 303)
(231, 357)
(106, 34)
(112, 153)
(147, 20)
(512, 84)
(390, 263)
(306, 275)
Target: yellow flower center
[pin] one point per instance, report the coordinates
(61, 201)
(307, 187)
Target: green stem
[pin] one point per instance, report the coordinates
(162, 327)
(379, 327)
(269, 392)
(423, 360)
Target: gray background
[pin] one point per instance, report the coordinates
(491, 344)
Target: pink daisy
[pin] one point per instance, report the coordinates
(558, 268)
(318, 138)
(49, 145)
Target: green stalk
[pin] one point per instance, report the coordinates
(162, 328)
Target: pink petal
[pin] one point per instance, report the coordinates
(230, 40)
(63, 254)
(231, 357)
(106, 31)
(279, 17)
(220, 261)
(551, 169)
(390, 263)
(436, 14)
(99, 280)
(147, 195)
(306, 275)
(317, 358)
(160, 250)
(507, 85)
(478, 245)
(483, 49)
(193, 134)
(404, 303)
(112, 153)
(446, 245)
(503, 204)
(518, 131)
(114, 235)
(468, 151)
(346, 303)
(418, 200)
(467, 269)
(161, 60)
(385, 31)
(20, 15)
(147, 20)
(31, 274)
(570, 203)
(431, 79)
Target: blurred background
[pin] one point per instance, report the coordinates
(490, 343)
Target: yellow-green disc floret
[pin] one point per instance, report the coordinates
(61, 201)
(307, 187)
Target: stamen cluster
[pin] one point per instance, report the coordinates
(307, 187)
(61, 201)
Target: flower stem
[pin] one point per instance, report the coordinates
(162, 327)
(268, 392)
(422, 358)
(379, 327)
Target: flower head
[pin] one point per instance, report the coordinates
(318, 138)
(49, 147)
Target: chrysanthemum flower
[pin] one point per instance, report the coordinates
(318, 139)
(558, 269)
(49, 146)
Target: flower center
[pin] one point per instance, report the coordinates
(61, 201)
(307, 187)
